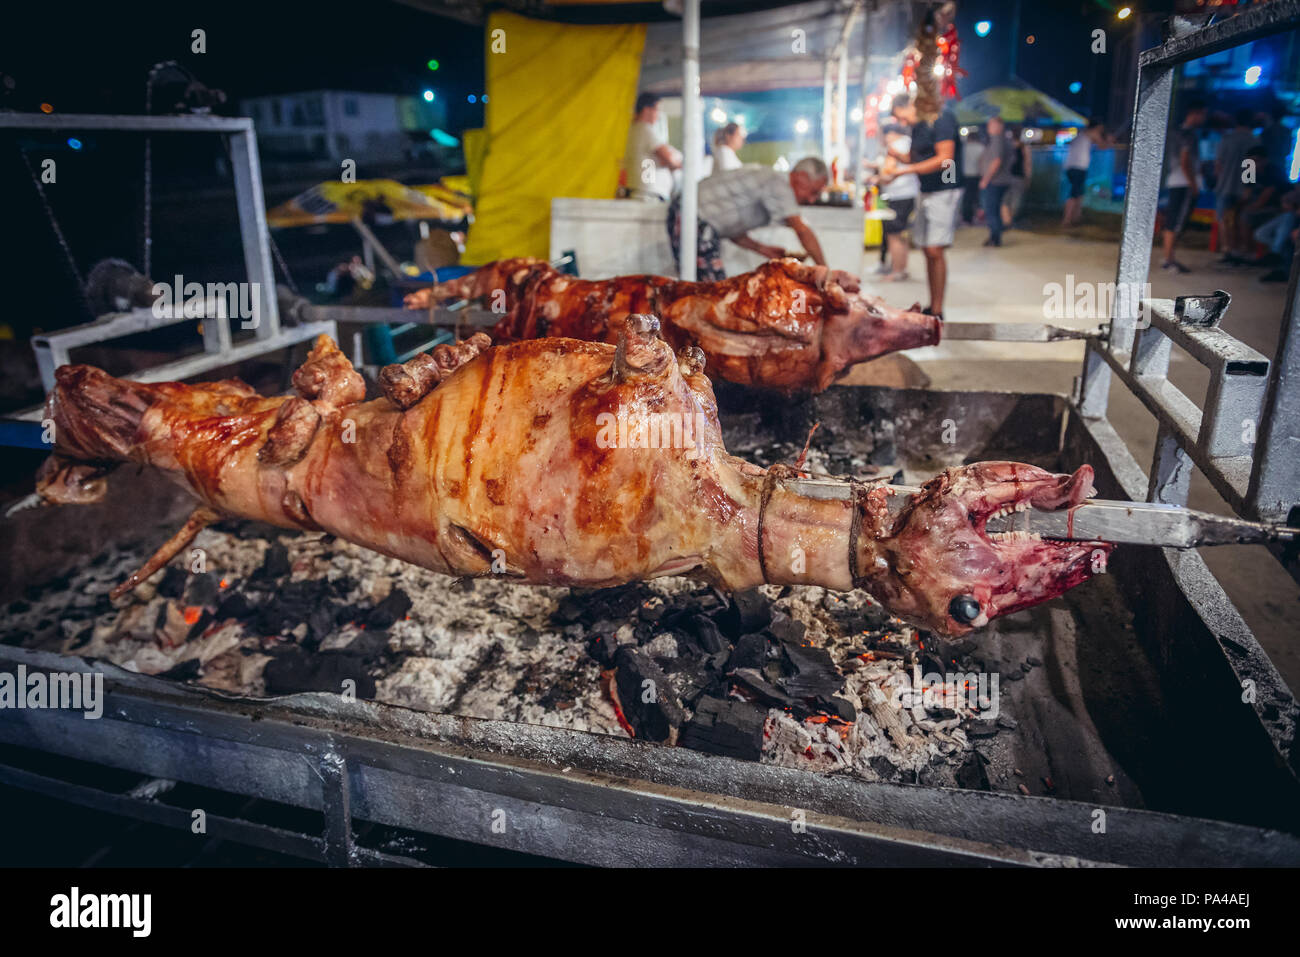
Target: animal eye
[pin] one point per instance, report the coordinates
(964, 609)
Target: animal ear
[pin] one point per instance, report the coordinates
(328, 376)
(640, 351)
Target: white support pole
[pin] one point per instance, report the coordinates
(828, 106)
(840, 148)
(692, 134)
(860, 154)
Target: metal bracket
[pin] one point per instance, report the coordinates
(1202, 310)
(51, 349)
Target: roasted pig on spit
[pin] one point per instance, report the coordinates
(783, 326)
(559, 462)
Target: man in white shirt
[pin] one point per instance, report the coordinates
(648, 160)
(1077, 159)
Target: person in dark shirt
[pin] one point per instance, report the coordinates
(1261, 199)
(1182, 179)
(935, 158)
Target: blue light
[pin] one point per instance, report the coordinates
(74, 142)
(472, 98)
(1076, 86)
(1253, 74)
(428, 96)
(982, 28)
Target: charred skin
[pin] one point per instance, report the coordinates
(784, 326)
(535, 460)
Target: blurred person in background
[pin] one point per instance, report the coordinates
(995, 177)
(1182, 179)
(1279, 236)
(935, 158)
(739, 200)
(727, 141)
(1077, 159)
(1259, 202)
(1022, 170)
(901, 193)
(1276, 137)
(1229, 174)
(972, 149)
(648, 159)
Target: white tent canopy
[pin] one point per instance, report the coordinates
(754, 51)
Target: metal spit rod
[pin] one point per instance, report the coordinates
(1123, 523)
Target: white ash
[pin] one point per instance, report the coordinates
(487, 649)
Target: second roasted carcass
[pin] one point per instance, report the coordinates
(559, 462)
(783, 326)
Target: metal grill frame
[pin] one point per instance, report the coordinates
(1246, 441)
(52, 349)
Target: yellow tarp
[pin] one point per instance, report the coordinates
(337, 202)
(560, 103)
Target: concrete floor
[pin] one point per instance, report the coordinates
(1007, 285)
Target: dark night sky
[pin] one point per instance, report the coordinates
(97, 61)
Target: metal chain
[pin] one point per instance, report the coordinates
(54, 225)
(279, 261)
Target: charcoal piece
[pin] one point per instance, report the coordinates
(874, 617)
(766, 692)
(733, 729)
(204, 590)
(342, 586)
(370, 643)
(643, 631)
(320, 623)
(82, 637)
(652, 610)
(785, 628)
(295, 670)
(890, 649)
(19, 607)
(706, 634)
(199, 626)
(603, 647)
(883, 766)
(693, 676)
(749, 611)
(750, 652)
(811, 672)
(187, 670)
(289, 606)
(835, 705)
(173, 581)
(972, 774)
(528, 640)
(389, 611)
(639, 678)
(276, 562)
(568, 610)
(235, 605)
(1008, 722)
(982, 729)
(350, 614)
(941, 714)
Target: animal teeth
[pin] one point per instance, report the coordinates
(1019, 535)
